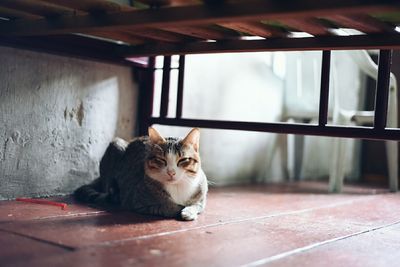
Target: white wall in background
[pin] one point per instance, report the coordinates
(262, 87)
(233, 87)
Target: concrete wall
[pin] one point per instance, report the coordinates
(57, 116)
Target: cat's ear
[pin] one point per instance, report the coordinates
(193, 139)
(155, 137)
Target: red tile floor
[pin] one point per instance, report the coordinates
(274, 225)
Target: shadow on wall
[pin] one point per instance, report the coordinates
(57, 116)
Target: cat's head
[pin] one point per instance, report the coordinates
(173, 160)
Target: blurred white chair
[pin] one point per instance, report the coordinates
(346, 117)
(300, 105)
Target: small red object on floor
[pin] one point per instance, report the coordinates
(43, 202)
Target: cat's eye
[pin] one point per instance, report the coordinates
(159, 161)
(185, 161)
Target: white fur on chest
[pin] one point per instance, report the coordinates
(183, 191)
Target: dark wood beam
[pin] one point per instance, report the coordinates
(38, 8)
(91, 6)
(12, 14)
(70, 45)
(373, 41)
(251, 10)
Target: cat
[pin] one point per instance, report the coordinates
(151, 175)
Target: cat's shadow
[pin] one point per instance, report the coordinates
(116, 216)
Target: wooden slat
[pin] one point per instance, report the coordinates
(16, 14)
(255, 10)
(309, 25)
(159, 35)
(255, 28)
(169, 3)
(92, 5)
(372, 41)
(37, 8)
(120, 35)
(361, 22)
(202, 32)
(389, 17)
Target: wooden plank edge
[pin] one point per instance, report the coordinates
(255, 10)
(44, 46)
(354, 42)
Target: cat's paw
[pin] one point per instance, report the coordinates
(189, 214)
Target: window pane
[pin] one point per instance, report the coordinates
(175, 61)
(157, 92)
(159, 62)
(232, 87)
(173, 90)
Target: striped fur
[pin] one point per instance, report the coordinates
(151, 175)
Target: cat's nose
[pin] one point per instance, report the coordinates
(171, 173)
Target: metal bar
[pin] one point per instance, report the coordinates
(353, 42)
(146, 95)
(165, 87)
(181, 75)
(324, 94)
(286, 128)
(382, 89)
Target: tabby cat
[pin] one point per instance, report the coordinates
(151, 175)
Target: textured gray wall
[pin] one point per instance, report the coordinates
(57, 116)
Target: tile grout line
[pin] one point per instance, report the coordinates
(313, 246)
(80, 214)
(120, 241)
(69, 248)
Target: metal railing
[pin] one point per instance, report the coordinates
(378, 131)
